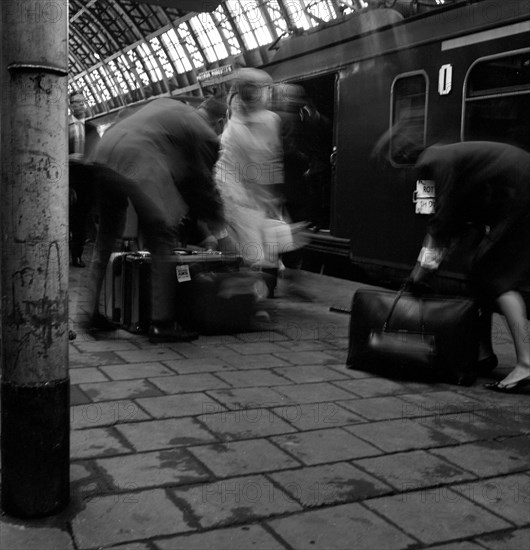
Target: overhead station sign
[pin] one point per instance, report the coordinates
(217, 74)
(184, 5)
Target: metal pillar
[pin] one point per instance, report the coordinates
(34, 257)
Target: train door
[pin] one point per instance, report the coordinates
(317, 118)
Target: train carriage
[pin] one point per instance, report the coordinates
(456, 74)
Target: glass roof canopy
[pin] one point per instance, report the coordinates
(122, 51)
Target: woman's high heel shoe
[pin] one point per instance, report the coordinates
(508, 388)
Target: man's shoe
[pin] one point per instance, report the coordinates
(78, 262)
(487, 364)
(171, 333)
(100, 322)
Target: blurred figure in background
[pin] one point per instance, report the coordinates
(161, 158)
(317, 131)
(249, 173)
(287, 101)
(83, 137)
(485, 184)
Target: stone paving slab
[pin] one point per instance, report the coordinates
(97, 359)
(313, 393)
(516, 540)
(247, 457)
(339, 528)
(256, 348)
(413, 470)
(311, 373)
(253, 378)
(377, 408)
(433, 515)
(253, 537)
(17, 536)
(109, 391)
(261, 361)
(372, 387)
(329, 484)
(245, 424)
(508, 497)
(249, 398)
(468, 426)
(168, 467)
(197, 365)
(321, 446)
(96, 442)
(136, 370)
(177, 405)
(312, 416)
(400, 435)
(87, 375)
(107, 413)
(489, 458)
(188, 383)
(148, 355)
(165, 434)
(114, 519)
(234, 501)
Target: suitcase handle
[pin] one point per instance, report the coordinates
(400, 293)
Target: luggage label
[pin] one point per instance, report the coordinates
(183, 273)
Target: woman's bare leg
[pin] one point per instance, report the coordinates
(513, 307)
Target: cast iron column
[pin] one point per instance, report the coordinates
(34, 257)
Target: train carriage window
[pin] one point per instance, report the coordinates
(409, 111)
(497, 100)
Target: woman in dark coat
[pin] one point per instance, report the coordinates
(488, 185)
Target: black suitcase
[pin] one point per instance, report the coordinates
(213, 295)
(220, 302)
(428, 337)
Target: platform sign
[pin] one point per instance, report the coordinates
(424, 197)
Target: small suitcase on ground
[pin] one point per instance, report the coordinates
(113, 288)
(136, 304)
(427, 337)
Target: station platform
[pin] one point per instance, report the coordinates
(265, 440)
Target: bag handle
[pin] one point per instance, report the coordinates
(400, 293)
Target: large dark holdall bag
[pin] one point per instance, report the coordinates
(426, 337)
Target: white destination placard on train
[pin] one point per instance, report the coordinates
(425, 197)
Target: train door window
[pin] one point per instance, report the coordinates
(497, 99)
(408, 117)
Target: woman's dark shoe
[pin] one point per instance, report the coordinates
(170, 333)
(100, 322)
(487, 364)
(508, 388)
(78, 262)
